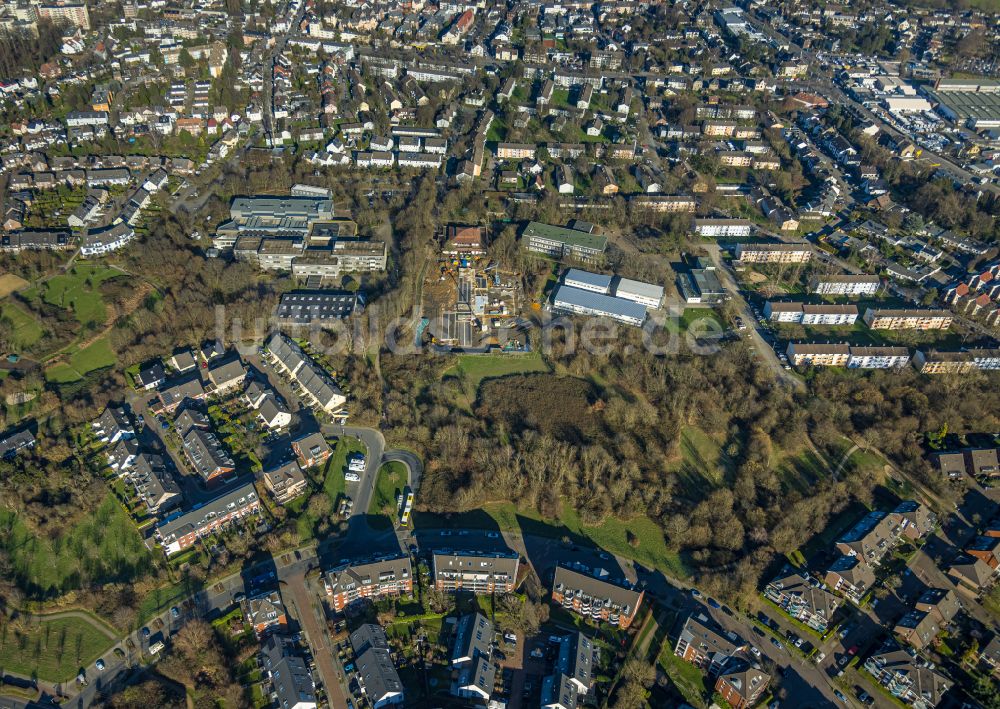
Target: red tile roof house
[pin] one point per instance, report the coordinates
(312, 450)
(265, 612)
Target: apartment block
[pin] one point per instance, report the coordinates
(372, 579)
(818, 355)
(561, 242)
(844, 285)
(878, 357)
(181, 531)
(705, 645)
(714, 228)
(478, 572)
(596, 598)
(903, 319)
(803, 599)
(774, 253)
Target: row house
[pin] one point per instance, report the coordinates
(774, 252)
(181, 531)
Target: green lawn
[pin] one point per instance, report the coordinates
(96, 356)
(333, 484)
(702, 459)
(389, 482)
(687, 678)
(52, 650)
(102, 547)
(612, 534)
(27, 331)
(78, 290)
(476, 368)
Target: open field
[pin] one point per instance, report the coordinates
(102, 547)
(702, 459)
(10, 283)
(27, 331)
(389, 482)
(476, 368)
(96, 356)
(52, 650)
(78, 290)
(612, 534)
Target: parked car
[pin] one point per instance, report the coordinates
(755, 651)
(777, 643)
(99, 665)
(840, 695)
(714, 603)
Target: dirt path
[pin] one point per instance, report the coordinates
(129, 306)
(105, 629)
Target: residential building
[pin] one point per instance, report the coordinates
(576, 660)
(177, 391)
(741, 684)
(264, 612)
(206, 455)
(912, 319)
(560, 242)
(811, 313)
(726, 228)
(933, 362)
(97, 242)
(464, 241)
(372, 579)
(777, 252)
(478, 572)
(844, 285)
(935, 608)
(150, 376)
(515, 151)
(705, 645)
(377, 676)
(153, 483)
(308, 307)
(971, 574)
(291, 683)
(226, 375)
(878, 357)
(803, 598)
(871, 538)
(312, 450)
(851, 577)
(597, 598)
(113, 425)
(181, 531)
(471, 655)
(818, 355)
(559, 692)
(908, 677)
(286, 482)
(316, 385)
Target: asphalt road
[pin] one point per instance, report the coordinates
(762, 348)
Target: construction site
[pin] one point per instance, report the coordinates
(470, 304)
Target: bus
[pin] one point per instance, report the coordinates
(404, 518)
